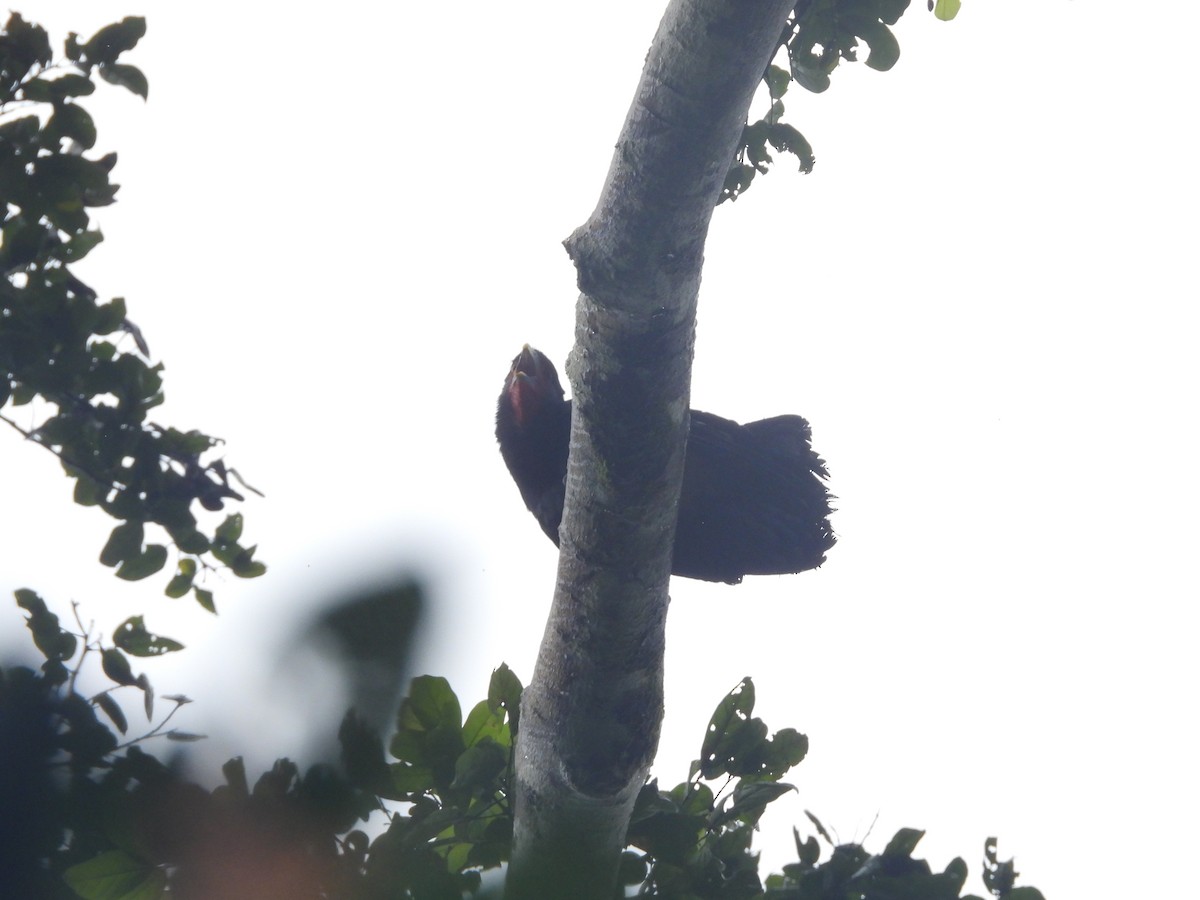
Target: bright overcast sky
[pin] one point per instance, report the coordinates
(338, 225)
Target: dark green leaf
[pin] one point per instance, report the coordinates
(182, 582)
(72, 121)
(113, 710)
(149, 562)
(87, 491)
(408, 779)
(748, 802)
(132, 637)
(205, 599)
(903, 842)
(126, 76)
(956, 871)
(49, 637)
(731, 732)
(430, 704)
(112, 40)
(885, 49)
(25, 45)
(479, 767)
(778, 79)
(116, 666)
(231, 529)
(504, 691)
(80, 246)
(124, 543)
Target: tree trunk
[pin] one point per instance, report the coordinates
(590, 717)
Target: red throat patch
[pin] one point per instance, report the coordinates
(525, 397)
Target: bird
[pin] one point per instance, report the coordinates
(754, 499)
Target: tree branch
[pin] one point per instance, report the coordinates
(590, 717)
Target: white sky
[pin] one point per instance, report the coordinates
(336, 227)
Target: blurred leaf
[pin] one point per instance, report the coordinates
(430, 704)
(116, 666)
(125, 542)
(126, 76)
(184, 737)
(132, 637)
(205, 599)
(748, 801)
(112, 709)
(112, 40)
(479, 766)
(73, 121)
(231, 529)
(904, 842)
(116, 876)
(147, 695)
(49, 637)
(150, 561)
(504, 692)
(884, 48)
(182, 582)
(946, 9)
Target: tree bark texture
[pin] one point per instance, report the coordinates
(590, 717)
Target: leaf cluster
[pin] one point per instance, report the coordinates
(818, 36)
(435, 800)
(88, 400)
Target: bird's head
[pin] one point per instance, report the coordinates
(532, 383)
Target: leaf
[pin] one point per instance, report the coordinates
(80, 246)
(946, 9)
(820, 828)
(116, 875)
(484, 723)
(504, 690)
(235, 777)
(884, 48)
(184, 737)
(126, 76)
(904, 842)
(430, 704)
(112, 40)
(231, 529)
(72, 121)
(182, 582)
(479, 767)
(145, 565)
(777, 80)
(113, 710)
(49, 637)
(116, 666)
(748, 802)
(731, 732)
(205, 599)
(124, 543)
(132, 637)
(147, 695)
(407, 779)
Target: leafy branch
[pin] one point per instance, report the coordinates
(56, 342)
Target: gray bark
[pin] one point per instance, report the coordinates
(590, 717)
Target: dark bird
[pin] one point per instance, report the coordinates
(753, 500)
